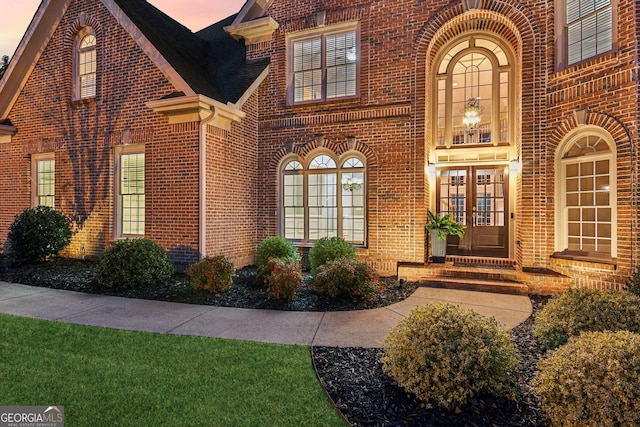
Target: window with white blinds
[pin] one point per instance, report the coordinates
(589, 28)
(87, 67)
(324, 66)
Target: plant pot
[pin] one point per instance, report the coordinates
(438, 248)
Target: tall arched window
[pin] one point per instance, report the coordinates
(325, 198)
(85, 64)
(473, 94)
(587, 197)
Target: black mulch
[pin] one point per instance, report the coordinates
(352, 377)
(354, 380)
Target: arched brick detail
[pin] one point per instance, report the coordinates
(339, 148)
(82, 20)
(611, 124)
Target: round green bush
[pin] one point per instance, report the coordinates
(445, 355)
(593, 380)
(346, 277)
(276, 247)
(133, 263)
(580, 309)
(329, 249)
(38, 233)
(213, 274)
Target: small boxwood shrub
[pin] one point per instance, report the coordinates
(285, 277)
(38, 233)
(213, 274)
(329, 249)
(633, 284)
(276, 247)
(445, 355)
(593, 380)
(581, 309)
(346, 277)
(133, 263)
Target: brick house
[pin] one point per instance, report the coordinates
(348, 118)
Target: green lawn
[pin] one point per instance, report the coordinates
(106, 377)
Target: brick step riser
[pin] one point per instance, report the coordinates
(479, 286)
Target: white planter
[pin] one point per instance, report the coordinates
(438, 247)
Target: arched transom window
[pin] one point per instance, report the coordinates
(325, 198)
(473, 94)
(587, 197)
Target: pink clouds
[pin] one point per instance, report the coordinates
(194, 14)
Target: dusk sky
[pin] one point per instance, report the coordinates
(194, 14)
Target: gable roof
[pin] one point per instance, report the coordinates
(209, 63)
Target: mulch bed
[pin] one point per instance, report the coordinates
(352, 377)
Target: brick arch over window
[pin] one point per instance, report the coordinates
(611, 124)
(339, 148)
(83, 20)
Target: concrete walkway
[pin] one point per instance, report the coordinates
(366, 328)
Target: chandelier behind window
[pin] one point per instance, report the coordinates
(471, 116)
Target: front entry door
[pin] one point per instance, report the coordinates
(476, 196)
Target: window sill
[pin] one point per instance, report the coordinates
(329, 102)
(594, 260)
(83, 101)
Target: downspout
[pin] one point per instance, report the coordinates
(202, 231)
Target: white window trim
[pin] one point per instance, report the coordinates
(35, 159)
(305, 172)
(561, 231)
(76, 94)
(322, 32)
(117, 214)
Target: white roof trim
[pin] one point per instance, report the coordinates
(26, 56)
(254, 86)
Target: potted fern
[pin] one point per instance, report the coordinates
(439, 227)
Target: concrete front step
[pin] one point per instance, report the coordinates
(479, 285)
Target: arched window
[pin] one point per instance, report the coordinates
(85, 64)
(587, 196)
(323, 199)
(473, 94)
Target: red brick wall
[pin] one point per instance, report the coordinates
(398, 42)
(232, 176)
(82, 135)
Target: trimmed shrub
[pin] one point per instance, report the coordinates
(445, 355)
(633, 284)
(284, 279)
(580, 309)
(38, 233)
(213, 274)
(593, 380)
(346, 277)
(276, 247)
(329, 249)
(133, 263)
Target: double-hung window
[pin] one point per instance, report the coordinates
(589, 28)
(130, 191)
(44, 180)
(85, 65)
(324, 65)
